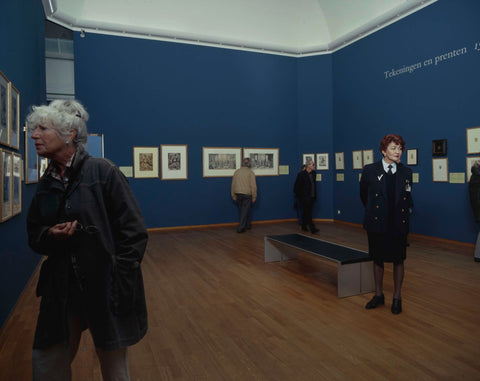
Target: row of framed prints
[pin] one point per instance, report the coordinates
(9, 113)
(217, 161)
(10, 184)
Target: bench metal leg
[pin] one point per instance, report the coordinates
(279, 252)
(355, 278)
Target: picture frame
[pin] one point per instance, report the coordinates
(473, 140)
(412, 156)
(145, 162)
(339, 161)
(470, 161)
(31, 160)
(357, 157)
(440, 170)
(439, 147)
(308, 157)
(174, 162)
(264, 161)
(322, 161)
(16, 184)
(221, 161)
(367, 156)
(13, 116)
(6, 166)
(4, 133)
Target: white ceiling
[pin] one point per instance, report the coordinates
(289, 27)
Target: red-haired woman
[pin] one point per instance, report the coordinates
(385, 190)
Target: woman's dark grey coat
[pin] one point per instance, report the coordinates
(107, 263)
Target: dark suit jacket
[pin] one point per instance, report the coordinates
(373, 192)
(303, 185)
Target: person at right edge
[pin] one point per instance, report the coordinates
(306, 191)
(385, 190)
(474, 190)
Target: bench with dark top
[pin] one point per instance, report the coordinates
(354, 267)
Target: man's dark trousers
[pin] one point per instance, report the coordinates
(244, 202)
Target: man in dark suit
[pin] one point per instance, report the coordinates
(306, 191)
(385, 189)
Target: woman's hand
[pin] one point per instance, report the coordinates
(63, 230)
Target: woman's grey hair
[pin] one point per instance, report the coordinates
(64, 115)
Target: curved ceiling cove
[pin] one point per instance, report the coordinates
(286, 27)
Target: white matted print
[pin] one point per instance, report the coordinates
(14, 116)
(221, 161)
(470, 161)
(307, 158)
(322, 161)
(17, 184)
(6, 184)
(4, 135)
(145, 162)
(339, 161)
(440, 170)
(264, 161)
(473, 140)
(357, 158)
(412, 156)
(367, 156)
(174, 162)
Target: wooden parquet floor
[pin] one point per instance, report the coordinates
(218, 312)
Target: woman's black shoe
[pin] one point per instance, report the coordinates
(375, 302)
(396, 306)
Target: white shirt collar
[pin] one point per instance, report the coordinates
(385, 166)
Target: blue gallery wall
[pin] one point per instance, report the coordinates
(438, 100)
(22, 61)
(149, 93)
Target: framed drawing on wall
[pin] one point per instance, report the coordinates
(221, 161)
(31, 159)
(473, 140)
(367, 156)
(412, 157)
(322, 161)
(174, 162)
(440, 170)
(17, 184)
(14, 116)
(307, 158)
(339, 161)
(43, 166)
(4, 137)
(264, 160)
(439, 147)
(357, 159)
(470, 161)
(6, 184)
(145, 162)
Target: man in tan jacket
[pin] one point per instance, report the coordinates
(244, 193)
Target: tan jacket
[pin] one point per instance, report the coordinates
(244, 182)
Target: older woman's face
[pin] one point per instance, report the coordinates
(47, 141)
(392, 153)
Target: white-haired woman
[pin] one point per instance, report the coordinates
(85, 220)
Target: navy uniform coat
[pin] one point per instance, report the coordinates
(373, 192)
(107, 262)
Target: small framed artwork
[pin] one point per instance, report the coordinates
(440, 170)
(17, 184)
(470, 161)
(145, 162)
(4, 137)
(174, 162)
(221, 162)
(357, 159)
(439, 147)
(31, 159)
(412, 157)
(339, 161)
(322, 161)
(473, 140)
(307, 158)
(6, 184)
(43, 166)
(14, 116)
(367, 156)
(264, 160)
